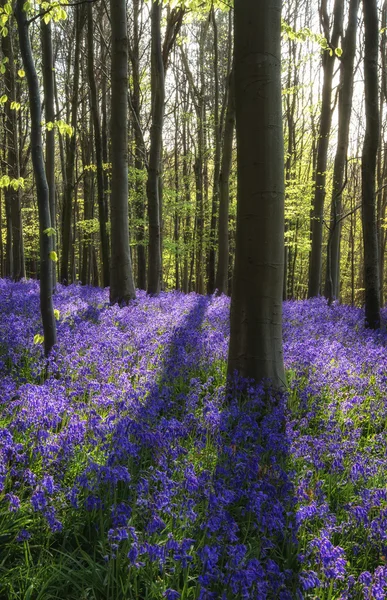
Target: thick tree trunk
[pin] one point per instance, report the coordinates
(43, 198)
(224, 198)
(345, 111)
(370, 149)
(256, 308)
(121, 278)
(323, 144)
(153, 189)
(49, 102)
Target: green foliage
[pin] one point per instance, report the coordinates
(16, 184)
(304, 34)
(60, 125)
(49, 10)
(5, 13)
(50, 232)
(88, 226)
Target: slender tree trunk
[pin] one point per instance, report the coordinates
(49, 102)
(323, 143)
(140, 152)
(224, 201)
(217, 158)
(13, 196)
(345, 111)
(69, 183)
(256, 307)
(369, 158)
(187, 198)
(102, 208)
(153, 189)
(121, 280)
(43, 197)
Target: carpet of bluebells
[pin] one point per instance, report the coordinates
(129, 471)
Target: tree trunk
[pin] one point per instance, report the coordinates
(140, 152)
(16, 267)
(153, 190)
(224, 200)
(102, 208)
(217, 158)
(345, 111)
(49, 101)
(70, 158)
(323, 144)
(369, 156)
(121, 278)
(256, 309)
(42, 191)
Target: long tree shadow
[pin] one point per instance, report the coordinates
(183, 487)
(215, 470)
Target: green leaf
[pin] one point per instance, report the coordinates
(53, 256)
(50, 231)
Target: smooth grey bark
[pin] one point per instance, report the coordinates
(16, 264)
(369, 159)
(69, 183)
(49, 104)
(140, 152)
(153, 189)
(256, 308)
(217, 165)
(221, 282)
(328, 61)
(345, 111)
(121, 278)
(42, 191)
(102, 208)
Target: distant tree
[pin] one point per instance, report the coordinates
(224, 191)
(140, 151)
(153, 185)
(121, 277)
(256, 308)
(42, 191)
(345, 110)
(102, 207)
(369, 158)
(14, 240)
(69, 180)
(328, 61)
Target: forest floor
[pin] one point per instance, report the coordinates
(128, 472)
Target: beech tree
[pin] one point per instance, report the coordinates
(42, 190)
(49, 109)
(345, 111)
(369, 158)
(328, 61)
(256, 308)
(121, 277)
